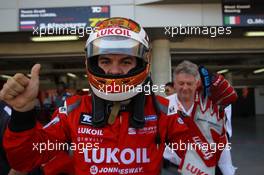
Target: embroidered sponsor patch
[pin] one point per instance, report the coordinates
(180, 121)
(151, 118)
(85, 119)
(94, 169)
(145, 130)
(172, 110)
(132, 131)
(63, 110)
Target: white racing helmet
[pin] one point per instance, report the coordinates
(117, 36)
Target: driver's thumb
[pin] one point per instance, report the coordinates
(35, 72)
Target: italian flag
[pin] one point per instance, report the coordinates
(233, 20)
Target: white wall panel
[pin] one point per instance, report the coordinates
(169, 15)
(8, 20)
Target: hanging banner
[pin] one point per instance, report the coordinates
(243, 13)
(64, 17)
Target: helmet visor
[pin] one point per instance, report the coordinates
(116, 45)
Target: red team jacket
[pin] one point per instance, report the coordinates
(113, 149)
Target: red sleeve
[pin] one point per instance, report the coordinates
(61, 163)
(55, 114)
(221, 92)
(178, 135)
(30, 148)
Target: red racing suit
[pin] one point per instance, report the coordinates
(61, 163)
(113, 149)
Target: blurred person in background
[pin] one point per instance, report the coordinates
(5, 169)
(5, 113)
(62, 95)
(169, 88)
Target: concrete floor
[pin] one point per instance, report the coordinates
(247, 146)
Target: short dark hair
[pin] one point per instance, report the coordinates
(61, 84)
(170, 83)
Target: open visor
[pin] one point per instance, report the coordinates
(116, 45)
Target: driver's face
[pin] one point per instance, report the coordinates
(116, 64)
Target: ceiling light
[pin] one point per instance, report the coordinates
(54, 38)
(222, 71)
(5, 76)
(86, 90)
(72, 75)
(255, 33)
(257, 71)
(85, 75)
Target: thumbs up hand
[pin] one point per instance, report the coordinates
(20, 92)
